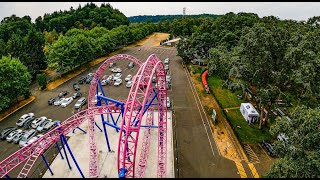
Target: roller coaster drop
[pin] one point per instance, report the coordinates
(139, 101)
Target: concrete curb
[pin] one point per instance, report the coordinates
(32, 99)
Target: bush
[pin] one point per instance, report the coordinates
(42, 80)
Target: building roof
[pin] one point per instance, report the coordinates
(249, 108)
(173, 40)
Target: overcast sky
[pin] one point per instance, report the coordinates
(283, 10)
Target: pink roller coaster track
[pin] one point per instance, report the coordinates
(140, 93)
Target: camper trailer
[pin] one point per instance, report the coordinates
(249, 113)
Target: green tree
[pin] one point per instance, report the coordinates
(42, 80)
(15, 81)
(300, 155)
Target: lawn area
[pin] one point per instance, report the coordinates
(247, 134)
(225, 97)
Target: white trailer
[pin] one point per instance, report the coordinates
(249, 113)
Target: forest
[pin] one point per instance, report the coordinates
(277, 58)
(157, 18)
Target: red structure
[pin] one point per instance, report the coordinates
(204, 81)
(139, 102)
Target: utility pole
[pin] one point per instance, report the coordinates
(184, 11)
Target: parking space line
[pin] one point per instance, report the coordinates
(265, 152)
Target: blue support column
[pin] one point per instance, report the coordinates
(64, 150)
(80, 130)
(98, 126)
(146, 108)
(116, 127)
(45, 161)
(57, 146)
(148, 126)
(7, 176)
(122, 173)
(74, 160)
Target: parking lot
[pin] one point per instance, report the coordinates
(196, 153)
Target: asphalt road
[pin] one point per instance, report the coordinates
(197, 153)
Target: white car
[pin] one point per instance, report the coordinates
(129, 84)
(66, 102)
(105, 82)
(116, 70)
(118, 82)
(38, 121)
(128, 78)
(58, 103)
(168, 102)
(117, 76)
(44, 123)
(13, 134)
(94, 100)
(33, 139)
(24, 118)
(166, 61)
(110, 77)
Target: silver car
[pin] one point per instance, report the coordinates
(12, 134)
(25, 138)
(18, 136)
(41, 126)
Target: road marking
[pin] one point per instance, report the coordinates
(265, 152)
(199, 111)
(253, 170)
(205, 114)
(241, 170)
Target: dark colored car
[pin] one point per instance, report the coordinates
(5, 132)
(269, 148)
(76, 87)
(51, 101)
(82, 80)
(63, 93)
(88, 80)
(27, 124)
(76, 95)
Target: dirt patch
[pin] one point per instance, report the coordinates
(49, 72)
(64, 79)
(16, 107)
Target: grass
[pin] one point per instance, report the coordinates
(224, 96)
(247, 134)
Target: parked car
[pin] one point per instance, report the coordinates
(26, 137)
(112, 64)
(51, 101)
(130, 65)
(110, 77)
(76, 95)
(5, 132)
(12, 134)
(66, 102)
(89, 79)
(168, 102)
(38, 121)
(104, 77)
(128, 78)
(117, 76)
(24, 118)
(118, 82)
(82, 80)
(33, 139)
(90, 75)
(41, 126)
(27, 123)
(49, 126)
(154, 79)
(95, 99)
(63, 93)
(18, 136)
(105, 82)
(168, 78)
(58, 103)
(269, 148)
(76, 87)
(166, 67)
(166, 61)
(129, 84)
(116, 70)
(80, 103)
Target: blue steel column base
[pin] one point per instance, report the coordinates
(7, 176)
(122, 173)
(98, 126)
(80, 130)
(45, 161)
